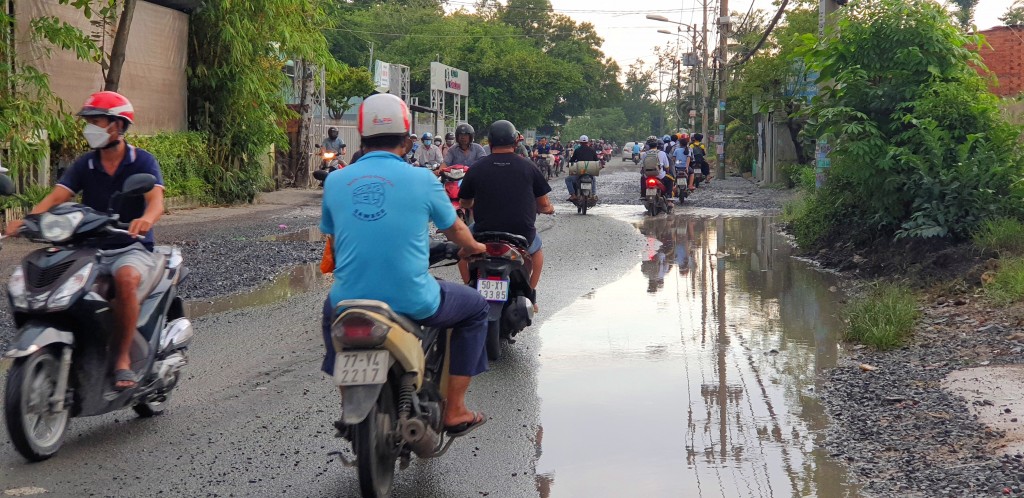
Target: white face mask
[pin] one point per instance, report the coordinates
(97, 137)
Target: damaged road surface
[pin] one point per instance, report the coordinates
(675, 356)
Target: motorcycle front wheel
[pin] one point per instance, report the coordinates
(375, 449)
(35, 430)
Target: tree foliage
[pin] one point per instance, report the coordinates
(1014, 15)
(526, 63)
(236, 56)
(27, 105)
(919, 148)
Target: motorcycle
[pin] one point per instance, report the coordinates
(636, 158)
(544, 163)
(393, 376)
(60, 297)
(451, 177)
(585, 198)
(502, 276)
(656, 197)
(559, 163)
(330, 163)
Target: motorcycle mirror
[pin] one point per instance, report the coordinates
(6, 185)
(138, 184)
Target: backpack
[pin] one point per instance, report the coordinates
(650, 164)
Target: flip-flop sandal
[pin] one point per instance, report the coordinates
(124, 375)
(459, 430)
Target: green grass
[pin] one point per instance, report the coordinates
(1008, 285)
(794, 209)
(883, 318)
(1005, 235)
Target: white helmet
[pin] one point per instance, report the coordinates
(584, 138)
(384, 114)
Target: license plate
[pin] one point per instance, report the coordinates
(586, 187)
(356, 368)
(493, 290)
(652, 191)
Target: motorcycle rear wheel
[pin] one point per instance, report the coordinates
(30, 385)
(494, 340)
(586, 202)
(375, 454)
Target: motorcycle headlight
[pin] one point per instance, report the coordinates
(59, 227)
(16, 288)
(68, 289)
(329, 155)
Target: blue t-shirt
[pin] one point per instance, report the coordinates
(378, 211)
(543, 149)
(87, 177)
(637, 148)
(680, 154)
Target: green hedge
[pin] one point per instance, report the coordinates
(184, 162)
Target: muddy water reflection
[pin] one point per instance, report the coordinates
(694, 374)
(298, 280)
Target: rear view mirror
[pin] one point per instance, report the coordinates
(138, 184)
(6, 185)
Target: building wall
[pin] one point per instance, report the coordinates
(153, 77)
(1005, 59)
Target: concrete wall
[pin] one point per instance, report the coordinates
(774, 147)
(153, 77)
(1005, 59)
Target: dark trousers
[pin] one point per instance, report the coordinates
(462, 309)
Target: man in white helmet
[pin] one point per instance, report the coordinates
(584, 153)
(376, 211)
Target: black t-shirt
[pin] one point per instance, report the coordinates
(505, 188)
(584, 153)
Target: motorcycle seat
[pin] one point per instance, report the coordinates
(506, 237)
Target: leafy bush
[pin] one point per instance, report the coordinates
(32, 195)
(183, 161)
(883, 318)
(919, 147)
(1008, 285)
(1001, 234)
(798, 175)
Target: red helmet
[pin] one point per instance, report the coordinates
(684, 136)
(110, 104)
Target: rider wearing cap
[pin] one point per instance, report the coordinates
(375, 212)
(97, 175)
(466, 152)
(583, 153)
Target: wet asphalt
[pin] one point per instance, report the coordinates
(253, 415)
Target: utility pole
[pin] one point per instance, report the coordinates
(723, 80)
(704, 74)
(821, 147)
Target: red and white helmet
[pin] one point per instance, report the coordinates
(384, 114)
(110, 104)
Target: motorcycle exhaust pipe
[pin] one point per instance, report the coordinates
(421, 438)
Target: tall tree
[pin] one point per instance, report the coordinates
(120, 47)
(965, 12)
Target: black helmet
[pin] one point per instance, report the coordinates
(698, 136)
(332, 132)
(449, 136)
(465, 129)
(502, 133)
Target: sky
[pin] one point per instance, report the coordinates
(629, 35)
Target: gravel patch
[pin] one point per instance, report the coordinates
(901, 433)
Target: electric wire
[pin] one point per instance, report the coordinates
(767, 33)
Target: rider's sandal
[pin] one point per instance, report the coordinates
(124, 375)
(459, 430)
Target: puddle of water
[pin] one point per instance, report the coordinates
(694, 374)
(298, 280)
(311, 234)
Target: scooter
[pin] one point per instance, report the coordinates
(331, 163)
(656, 197)
(451, 177)
(559, 162)
(60, 297)
(393, 376)
(502, 276)
(636, 158)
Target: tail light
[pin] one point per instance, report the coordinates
(357, 331)
(500, 250)
(652, 182)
